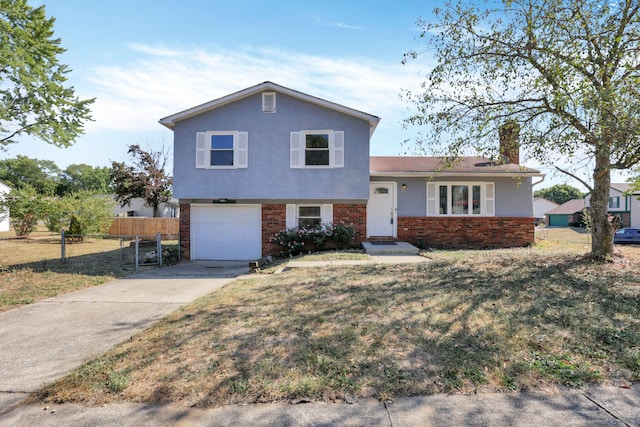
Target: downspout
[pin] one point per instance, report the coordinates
(533, 184)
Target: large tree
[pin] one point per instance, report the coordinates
(559, 193)
(145, 178)
(83, 177)
(41, 175)
(567, 71)
(33, 97)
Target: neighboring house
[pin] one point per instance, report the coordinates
(139, 208)
(4, 214)
(540, 207)
(266, 158)
(567, 213)
(623, 203)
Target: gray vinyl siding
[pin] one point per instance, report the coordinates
(513, 198)
(269, 175)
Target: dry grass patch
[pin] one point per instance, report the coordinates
(464, 322)
(31, 270)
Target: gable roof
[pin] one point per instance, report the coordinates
(171, 120)
(434, 166)
(542, 200)
(568, 208)
(624, 187)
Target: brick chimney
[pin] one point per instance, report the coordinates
(509, 142)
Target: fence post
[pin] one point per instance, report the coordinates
(159, 248)
(62, 248)
(137, 241)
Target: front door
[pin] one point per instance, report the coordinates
(381, 210)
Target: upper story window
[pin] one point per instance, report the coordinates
(222, 150)
(614, 202)
(460, 198)
(317, 149)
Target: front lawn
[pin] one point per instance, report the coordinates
(463, 322)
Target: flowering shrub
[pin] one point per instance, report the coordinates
(293, 241)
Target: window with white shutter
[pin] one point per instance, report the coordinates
(308, 216)
(460, 199)
(317, 149)
(222, 150)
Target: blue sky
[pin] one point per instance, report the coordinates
(144, 60)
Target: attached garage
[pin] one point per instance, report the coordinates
(226, 232)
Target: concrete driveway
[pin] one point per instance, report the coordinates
(43, 341)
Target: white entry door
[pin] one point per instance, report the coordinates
(381, 210)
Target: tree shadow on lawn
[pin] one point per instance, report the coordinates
(450, 325)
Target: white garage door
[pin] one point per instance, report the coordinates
(230, 232)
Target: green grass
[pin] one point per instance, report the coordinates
(463, 322)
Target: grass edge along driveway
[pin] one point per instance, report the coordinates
(464, 322)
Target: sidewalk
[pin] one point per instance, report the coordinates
(44, 341)
(598, 406)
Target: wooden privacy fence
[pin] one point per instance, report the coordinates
(133, 226)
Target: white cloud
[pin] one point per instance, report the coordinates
(162, 80)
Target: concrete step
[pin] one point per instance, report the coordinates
(389, 248)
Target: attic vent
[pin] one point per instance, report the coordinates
(269, 102)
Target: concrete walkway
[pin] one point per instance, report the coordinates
(43, 341)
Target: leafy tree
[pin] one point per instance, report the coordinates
(41, 175)
(559, 193)
(145, 178)
(83, 177)
(91, 213)
(567, 72)
(33, 97)
(25, 208)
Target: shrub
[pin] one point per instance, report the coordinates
(343, 235)
(294, 241)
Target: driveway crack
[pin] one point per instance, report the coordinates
(606, 410)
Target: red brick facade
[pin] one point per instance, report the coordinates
(466, 232)
(355, 214)
(185, 231)
(453, 232)
(274, 219)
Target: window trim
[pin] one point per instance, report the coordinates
(240, 150)
(617, 204)
(293, 210)
(487, 198)
(298, 149)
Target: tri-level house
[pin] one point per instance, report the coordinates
(267, 158)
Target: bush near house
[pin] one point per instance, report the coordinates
(294, 241)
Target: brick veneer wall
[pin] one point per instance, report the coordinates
(459, 232)
(185, 231)
(355, 214)
(274, 219)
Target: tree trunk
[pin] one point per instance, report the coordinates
(156, 211)
(601, 229)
